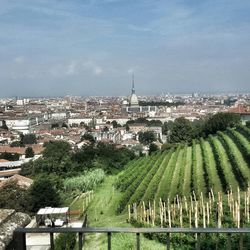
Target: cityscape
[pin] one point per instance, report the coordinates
(124, 124)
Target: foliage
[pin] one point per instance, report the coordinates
(12, 196)
(160, 103)
(182, 131)
(220, 122)
(28, 139)
(66, 241)
(142, 120)
(115, 124)
(197, 167)
(16, 144)
(56, 150)
(64, 125)
(212, 178)
(140, 190)
(55, 125)
(165, 182)
(248, 124)
(88, 181)
(241, 142)
(150, 192)
(58, 158)
(167, 126)
(9, 156)
(135, 183)
(152, 148)
(29, 152)
(223, 165)
(154, 123)
(240, 168)
(103, 155)
(186, 186)
(220, 162)
(4, 126)
(88, 137)
(44, 192)
(147, 137)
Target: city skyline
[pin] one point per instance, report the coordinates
(58, 48)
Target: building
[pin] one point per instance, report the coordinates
(132, 106)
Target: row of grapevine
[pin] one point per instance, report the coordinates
(133, 186)
(210, 166)
(240, 167)
(139, 192)
(241, 142)
(219, 163)
(153, 185)
(176, 178)
(164, 185)
(245, 131)
(186, 189)
(197, 167)
(129, 174)
(223, 164)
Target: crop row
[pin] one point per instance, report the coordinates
(221, 162)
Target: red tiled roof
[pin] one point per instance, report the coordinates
(3, 160)
(21, 181)
(21, 150)
(241, 109)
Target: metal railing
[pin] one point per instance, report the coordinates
(20, 234)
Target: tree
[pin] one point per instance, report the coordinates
(55, 125)
(88, 137)
(28, 139)
(43, 193)
(12, 196)
(105, 129)
(29, 152)
(220, 122)
(4, 126)
(147, 137)
(64, 125)
(127, 127)
(182, 130)
(115, 124)
(9, 156)
(167, 126)
(56, 150)
(154, 123)
(16, 144)
(152, 148)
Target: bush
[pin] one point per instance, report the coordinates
(85, 182)
(66, 241)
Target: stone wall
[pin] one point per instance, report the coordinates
(9, 221)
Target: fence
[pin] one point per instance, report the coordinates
(19, 236)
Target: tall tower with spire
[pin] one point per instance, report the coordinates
(133, 100)
(133, 84)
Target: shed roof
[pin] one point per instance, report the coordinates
(53, 210)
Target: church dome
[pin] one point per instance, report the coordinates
(133, 100)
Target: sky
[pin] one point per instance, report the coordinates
(92, 47)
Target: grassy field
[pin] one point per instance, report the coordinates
(101, 213)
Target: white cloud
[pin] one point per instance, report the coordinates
(130, 71)
(72, 69)
(98, 70)
(19, 59)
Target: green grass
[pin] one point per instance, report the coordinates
(102, 213)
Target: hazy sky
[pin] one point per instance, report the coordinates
(91, 47)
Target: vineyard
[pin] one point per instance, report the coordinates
(218, 164)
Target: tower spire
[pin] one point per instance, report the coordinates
(133, 84)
